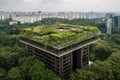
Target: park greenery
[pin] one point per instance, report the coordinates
(16, 64)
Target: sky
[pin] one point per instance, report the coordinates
(61, 5)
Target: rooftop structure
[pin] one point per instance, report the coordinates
(62, 47)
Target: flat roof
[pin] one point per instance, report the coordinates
(60, 35)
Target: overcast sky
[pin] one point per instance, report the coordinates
(60, 5)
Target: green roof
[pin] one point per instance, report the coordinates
(60, 35)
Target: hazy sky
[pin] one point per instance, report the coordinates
(60, 5)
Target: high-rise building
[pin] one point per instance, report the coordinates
(113, 23)
(63, 48)
(109, 26)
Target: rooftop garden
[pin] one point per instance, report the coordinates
(60, 35)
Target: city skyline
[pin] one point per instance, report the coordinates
(60, 5)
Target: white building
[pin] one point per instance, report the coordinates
(109, 26)
(30, 17)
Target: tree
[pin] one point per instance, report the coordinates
(3, 74)
(114, 61)
(39, 72)
(14, 74)
(96, 71)
(33, 69)
(101, 50)
(102, 70)
(83, 75)
(8, 57)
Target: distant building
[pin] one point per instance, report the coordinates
(108, 16)
(13, 22)
(30, 17)
(116, 21)
(109, 26)
(113, 22)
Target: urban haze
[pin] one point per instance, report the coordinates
(60, 5)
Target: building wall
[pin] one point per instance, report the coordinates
(64, 65)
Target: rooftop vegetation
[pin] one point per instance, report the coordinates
(60, 35)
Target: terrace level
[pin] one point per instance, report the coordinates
(59, 51)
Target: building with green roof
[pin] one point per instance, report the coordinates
(62, 47)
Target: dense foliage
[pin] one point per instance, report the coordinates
(60, 35)
(100, 70)
(106, 55)
(15, 64)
